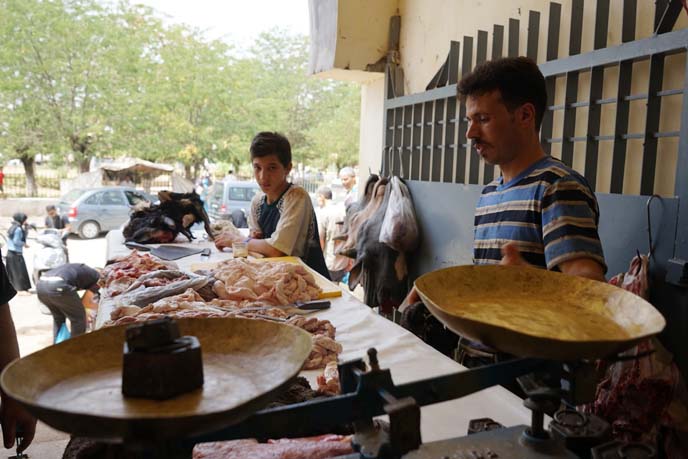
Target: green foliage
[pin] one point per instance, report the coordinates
(80, 78)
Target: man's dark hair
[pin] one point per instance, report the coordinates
(325, 192)
(518, 80)
(271, 143)
(49, 208)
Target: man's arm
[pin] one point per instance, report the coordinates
(254, 245)
(12, 415)
(582, 267)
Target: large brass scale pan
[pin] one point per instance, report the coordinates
(532, 312)
(75, 386)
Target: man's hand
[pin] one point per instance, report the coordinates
(511, 256)
(223, 240)
(12, 415)
(411, 298)
(583, 267)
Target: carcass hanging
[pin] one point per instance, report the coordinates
(380, 268)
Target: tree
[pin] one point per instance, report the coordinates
(81, 61)
(188, 100)
(335, 137)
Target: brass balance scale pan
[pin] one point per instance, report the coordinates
(75, 386)
(532, 312)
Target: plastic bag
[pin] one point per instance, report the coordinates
(399, 226)
(62, 334)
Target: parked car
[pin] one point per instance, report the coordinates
(95, 210)
(231, 200)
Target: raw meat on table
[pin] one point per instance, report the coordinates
(321, 447)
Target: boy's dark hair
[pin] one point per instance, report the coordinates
(49, 208)
(271, 143)
(518, 80)
(325, 192)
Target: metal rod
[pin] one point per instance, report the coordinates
(550, 82)
(654, 104)
(437, 136)
(533, 34)
(427, 138)
(416, 134)
(512, 50)
(669, 43)
(326, 414)
(681, 184)
(572, 82)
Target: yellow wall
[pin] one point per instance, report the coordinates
(372, 113)
(362, 31)
(427, 27)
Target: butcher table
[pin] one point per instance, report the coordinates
(409, 358)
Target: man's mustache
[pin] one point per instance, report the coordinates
(475, 143)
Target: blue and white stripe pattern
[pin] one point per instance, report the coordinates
(549, 210)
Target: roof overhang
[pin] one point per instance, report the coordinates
(349, 36)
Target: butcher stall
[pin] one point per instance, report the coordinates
(131, 172)
(211, 356)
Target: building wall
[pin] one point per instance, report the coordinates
(372, 112)
(428, 26)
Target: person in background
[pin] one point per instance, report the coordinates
(348, 178)
(282, 221)
(2, 181)
(230, 174)
(16, 242)
(330, 222)
(57, 221)
(58, 289)
(12, 416)
(128, 180)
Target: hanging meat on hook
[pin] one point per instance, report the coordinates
(160, 223)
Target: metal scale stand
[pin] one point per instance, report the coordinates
(372, 393)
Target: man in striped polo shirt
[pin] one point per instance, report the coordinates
(540, 211)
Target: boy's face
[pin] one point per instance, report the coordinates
(270, 174)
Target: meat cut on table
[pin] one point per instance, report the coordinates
(321, 447)
(278, 283)
(130, 268)
(328, 381)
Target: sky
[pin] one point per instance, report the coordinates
(239, 21)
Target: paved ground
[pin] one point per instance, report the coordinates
(35, 331)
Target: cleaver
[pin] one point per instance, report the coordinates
(165, 252)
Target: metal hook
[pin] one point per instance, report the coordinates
(651, 247)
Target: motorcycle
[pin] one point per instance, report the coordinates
(52, 254)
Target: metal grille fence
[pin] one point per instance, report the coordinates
(425, 133)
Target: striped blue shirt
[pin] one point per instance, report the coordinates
(549, 210)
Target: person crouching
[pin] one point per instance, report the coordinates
(58, 289)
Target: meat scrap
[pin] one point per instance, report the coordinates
(298, 391)
(187, 305)
(277, 283)
(127, 269)
(321, 447)
(328, 381)
(313, 325)
(324, 351)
